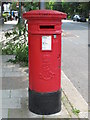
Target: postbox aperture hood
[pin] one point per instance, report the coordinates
(44, 14)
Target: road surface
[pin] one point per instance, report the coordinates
(75, 54)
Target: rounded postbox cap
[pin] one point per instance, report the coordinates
(44, 14)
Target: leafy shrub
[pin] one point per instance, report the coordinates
(9, 49)
(19, 50)
(18, 45)
(22, 54)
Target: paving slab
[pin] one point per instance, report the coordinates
(0, 103)
(9, 65)
(22, 113)
(12, 74)
(10, 69)
(11, 103)
(11, 83)
(7, 57)
(6, 94)
(19, 93)
(4, 113)
(0, 70)
(0, 114)
(0, 93)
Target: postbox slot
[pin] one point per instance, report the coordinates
(46, 26)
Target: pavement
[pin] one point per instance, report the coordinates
(14, 94)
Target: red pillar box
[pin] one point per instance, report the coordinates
(44, 40)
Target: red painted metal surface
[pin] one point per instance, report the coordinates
(38, 14)
(44, 65)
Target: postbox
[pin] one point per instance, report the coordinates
(44, 41)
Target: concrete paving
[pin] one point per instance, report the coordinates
(15, 95)
(16, 106)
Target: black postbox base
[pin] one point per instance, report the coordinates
(44, 103)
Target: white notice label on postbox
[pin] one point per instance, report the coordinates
(46, 43)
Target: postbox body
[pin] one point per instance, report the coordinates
(44, 40)
(45, 62)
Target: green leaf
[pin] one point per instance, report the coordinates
(75, 111)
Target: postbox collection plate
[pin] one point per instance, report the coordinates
(46, 43)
